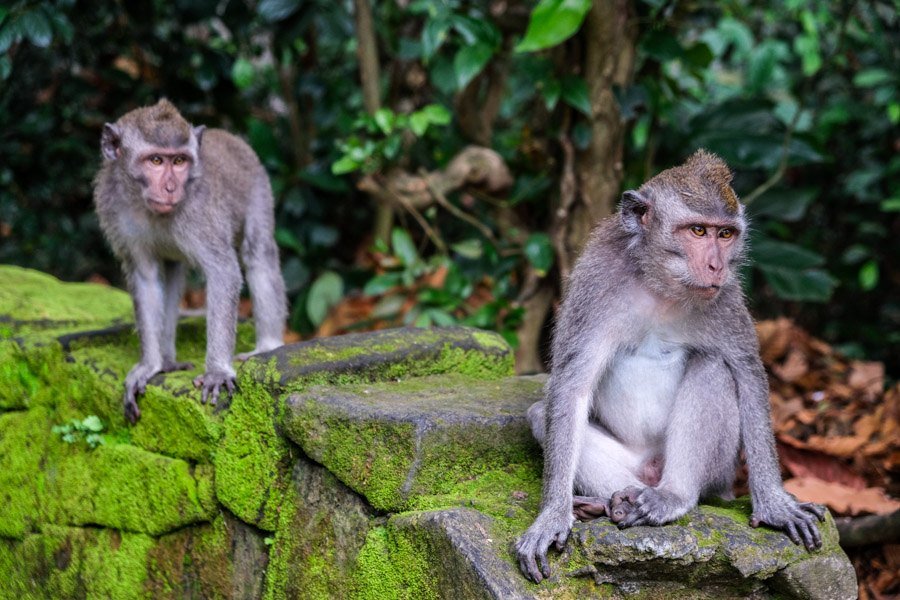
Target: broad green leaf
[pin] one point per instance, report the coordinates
(784, 204)
(5, 67)
(344, 165)
(472, 248)
(404, 248)
(475, 31)
(811, 285)
(92, 423)
(434, 34)
(768, 253)
(551, 90)
(381, 284)
(36, 27)
(295, 273)
(277, 10)
(872, 77)
(539, 252)
(439, 317)
(418, 122)
(325, 292)
(868, 276)
(552, 22)
(891, 205)
(10, 33)
(242, 73)
(436, 114)
(384, 119)
(287, 239)
(470, 61)
(388, 307)
(575, 94)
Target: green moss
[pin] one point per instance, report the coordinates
(392, 565)
(23, 440)
(372, 456)
(64, 562)
(38, 303)
(124, 487)
(252, 459)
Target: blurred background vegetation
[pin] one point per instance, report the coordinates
(440, 162)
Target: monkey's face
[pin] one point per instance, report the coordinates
(709, 248)
(164, 172)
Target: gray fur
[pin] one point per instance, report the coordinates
(224, 219)
(647, 374)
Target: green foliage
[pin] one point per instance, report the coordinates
(88, 429)
(378, 140)
(552, 22)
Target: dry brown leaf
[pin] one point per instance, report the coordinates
(842, 446)
(804, 463)
(841, 498)
(774, 338)
(866, 376)
(794, 367)
(867, 425)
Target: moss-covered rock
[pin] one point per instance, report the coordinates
(252, 460)
(394, 442)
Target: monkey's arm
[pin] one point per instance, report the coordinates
(223, 286)
(146, 287)
(772, 505)
(569, 392)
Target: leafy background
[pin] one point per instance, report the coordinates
(800, 97)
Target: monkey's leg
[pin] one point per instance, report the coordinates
(146, 287)
(701, 448)
(260, 257)
(604, 466)
(174, 288)
(223, 286)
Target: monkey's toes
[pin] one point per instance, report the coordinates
(623, 503)
(212, 385)
(132, 412)
(588, 508)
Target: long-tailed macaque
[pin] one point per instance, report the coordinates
(656, 381)
(170, 195)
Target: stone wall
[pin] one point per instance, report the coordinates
(395, 464)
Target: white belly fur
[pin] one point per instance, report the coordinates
(635, 397)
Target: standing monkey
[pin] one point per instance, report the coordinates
(656, 381)
(169, 195)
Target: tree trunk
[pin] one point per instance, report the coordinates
(370, 77)
(609, 34)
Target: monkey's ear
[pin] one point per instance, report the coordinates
(635, 211)
(198, 133)
(110, 141)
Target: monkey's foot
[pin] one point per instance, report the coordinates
(136, 385)
(796, 519)
(623, 503)
(588, 508)
(652, 506)
(212, 384)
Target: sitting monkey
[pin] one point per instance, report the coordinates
(656, 381)
(169, 195)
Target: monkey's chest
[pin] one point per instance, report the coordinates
(635, 397)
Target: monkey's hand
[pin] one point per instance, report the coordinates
(796, 519)
(212, 384)
(136, 385)
(550, 527)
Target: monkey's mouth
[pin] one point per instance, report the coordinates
(162, 208)
(707, 292)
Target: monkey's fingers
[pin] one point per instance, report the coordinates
(132, 412)
(816, 509)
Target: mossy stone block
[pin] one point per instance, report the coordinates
(394, 442)
(392, 354)
(124, 487)
(38, 305)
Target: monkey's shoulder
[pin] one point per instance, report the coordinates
(223, 149)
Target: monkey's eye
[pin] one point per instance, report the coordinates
(178, 160)
(698, 230)
(156, 160)
(726, 233)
